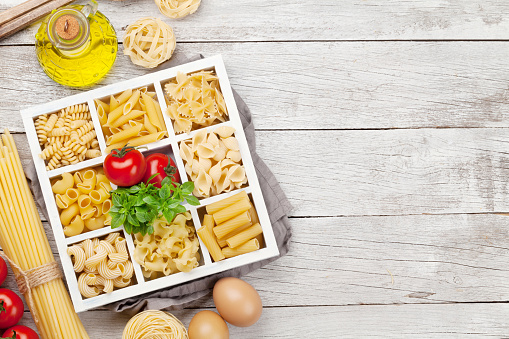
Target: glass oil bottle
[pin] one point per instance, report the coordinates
(76, 45)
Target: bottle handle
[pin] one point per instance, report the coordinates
(90, 9)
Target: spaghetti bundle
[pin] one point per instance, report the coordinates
(154, 325)
(24, 242)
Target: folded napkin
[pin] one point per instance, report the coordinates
(278, 206)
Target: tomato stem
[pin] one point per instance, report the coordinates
(2, 308)
(170, 170)
(120, 153)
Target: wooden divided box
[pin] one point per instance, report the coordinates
(92, 141)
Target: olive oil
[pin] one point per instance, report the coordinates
(76, 45)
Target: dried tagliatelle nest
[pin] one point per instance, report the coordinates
(149, 42)
(177, 8)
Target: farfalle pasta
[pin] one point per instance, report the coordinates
(149, 42)
(103, 265)
(83, 200)
(213, 162)
(67, 137)
(195, 99)
(173, 247)
(177, 8)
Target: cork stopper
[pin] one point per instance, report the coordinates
(67, 27)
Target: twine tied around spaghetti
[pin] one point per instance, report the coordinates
(29, 279)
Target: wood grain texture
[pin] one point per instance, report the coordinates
(385, 260)
(348, 86)
(369, 321)
(246, 20)
(394, 172)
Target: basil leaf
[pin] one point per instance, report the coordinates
(180, 209)
(151, 200)
(134, 189)
(116, 199)
(166, 181)
(169, 215)
(192, 200)
(132, 220)
(187, 187)
(165, 192)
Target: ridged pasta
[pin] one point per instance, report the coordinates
(78, 256)
(97, 273)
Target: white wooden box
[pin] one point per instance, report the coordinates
(207, 267)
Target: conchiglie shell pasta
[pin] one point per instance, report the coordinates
(231, 143)
(224, 131)
(213, 164)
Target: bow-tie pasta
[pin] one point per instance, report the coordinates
(195, 101)
(213, 162)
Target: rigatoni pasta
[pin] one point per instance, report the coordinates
(231, 228)
(67, 137)
(133, 117)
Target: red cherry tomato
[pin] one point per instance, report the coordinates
(22, 332)
(11, 308)
(125, 167)
(3, 270)
(163, 166)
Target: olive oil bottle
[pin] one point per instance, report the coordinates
(76, 45)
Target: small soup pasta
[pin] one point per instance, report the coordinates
(173, 247)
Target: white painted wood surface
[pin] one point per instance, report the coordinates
(392, 150)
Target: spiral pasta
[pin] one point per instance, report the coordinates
(71, 131)
(98, 273)
(149, 42)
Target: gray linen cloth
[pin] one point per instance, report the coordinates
(278, 206)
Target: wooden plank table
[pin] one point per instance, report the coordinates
(386, 123)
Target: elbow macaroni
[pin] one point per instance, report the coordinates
(83, 200)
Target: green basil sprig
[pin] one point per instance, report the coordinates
(136, 207)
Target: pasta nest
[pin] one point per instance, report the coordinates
(177, 8)
(149, 42)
